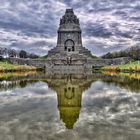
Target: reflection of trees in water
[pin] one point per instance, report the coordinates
(9, 82)
(23, 84)
(124, 82)
(12, 80)
(5, 85)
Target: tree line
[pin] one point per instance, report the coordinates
(133, 52)
(6, 53)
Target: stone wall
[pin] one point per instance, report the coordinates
(30, 62)
(93, 62)
(103, 62)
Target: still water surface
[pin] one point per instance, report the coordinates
(69, 106)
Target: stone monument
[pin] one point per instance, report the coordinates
(69, 51)
(69, 55)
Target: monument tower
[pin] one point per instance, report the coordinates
(69, 49)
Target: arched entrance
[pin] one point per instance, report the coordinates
(69, 45)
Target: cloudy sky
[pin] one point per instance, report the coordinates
(107, 25)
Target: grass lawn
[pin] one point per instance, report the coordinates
(6, 66)
(132, 66)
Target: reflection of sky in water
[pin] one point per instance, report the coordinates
(39, 88)
(109, 109)
(108, 112)
(24, 111)
(110, 100)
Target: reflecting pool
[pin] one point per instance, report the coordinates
(54, 106)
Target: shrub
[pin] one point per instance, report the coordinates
(117, 69)
(130, 69)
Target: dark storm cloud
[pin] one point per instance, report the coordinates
(97, 30)
(107, 25)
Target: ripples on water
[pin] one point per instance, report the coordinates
(71, 106)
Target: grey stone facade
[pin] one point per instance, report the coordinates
(69, 49)
(93, 62)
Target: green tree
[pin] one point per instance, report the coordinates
(33, 56)
(23, 54)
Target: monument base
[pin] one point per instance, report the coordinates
(69, 68)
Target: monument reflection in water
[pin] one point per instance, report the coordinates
(69, 89)
(57, 106)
